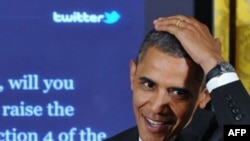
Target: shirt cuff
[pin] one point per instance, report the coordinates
(221, 80)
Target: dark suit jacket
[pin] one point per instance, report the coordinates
(231, 105)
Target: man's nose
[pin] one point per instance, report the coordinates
(160, 102)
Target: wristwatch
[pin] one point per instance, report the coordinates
(220, 68)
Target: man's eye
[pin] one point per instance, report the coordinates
(149, 85)
(179, 92)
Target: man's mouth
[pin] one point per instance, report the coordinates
(156, 126)
(155, 123)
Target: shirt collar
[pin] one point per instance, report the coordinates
(173, 139)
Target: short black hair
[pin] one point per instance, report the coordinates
(164, 41)
(169, 44)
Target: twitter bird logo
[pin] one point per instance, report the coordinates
(111, 17)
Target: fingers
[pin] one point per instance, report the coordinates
(175, 24)
(218, 45)
(194, 36)
(167, 24)
(173, 21)
(218, 42)
(178, 22)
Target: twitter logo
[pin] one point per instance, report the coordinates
(112, 17)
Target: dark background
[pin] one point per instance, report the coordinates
(95, 56)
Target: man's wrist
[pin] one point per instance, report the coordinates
(223, 79)
(220, 68)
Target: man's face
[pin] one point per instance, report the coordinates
(165, 94)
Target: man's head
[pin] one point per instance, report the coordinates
(167, 87)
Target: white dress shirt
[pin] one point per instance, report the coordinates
(221, 80)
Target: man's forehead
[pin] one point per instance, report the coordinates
(154, 59)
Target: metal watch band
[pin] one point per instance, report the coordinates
(222, 67)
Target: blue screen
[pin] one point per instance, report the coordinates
(65, 68)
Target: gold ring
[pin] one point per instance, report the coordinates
(178, 22)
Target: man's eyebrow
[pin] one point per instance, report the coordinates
(145, 79)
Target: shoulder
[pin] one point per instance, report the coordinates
(203, 127)
(130, 134)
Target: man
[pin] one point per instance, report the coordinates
(176, 73)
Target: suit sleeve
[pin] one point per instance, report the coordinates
(231, 103)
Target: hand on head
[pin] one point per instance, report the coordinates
(195, 37)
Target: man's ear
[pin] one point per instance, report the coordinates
(204, 98)
(132, 73)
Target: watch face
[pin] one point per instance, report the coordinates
(226, 67)
(222, 67)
